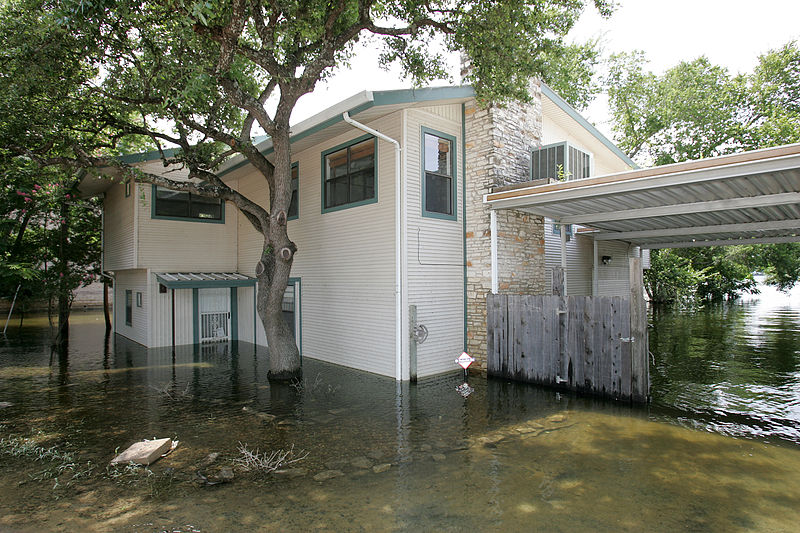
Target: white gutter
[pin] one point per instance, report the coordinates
(401, 373)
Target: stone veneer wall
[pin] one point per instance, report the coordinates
(498, 147)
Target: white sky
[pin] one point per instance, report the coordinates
(731, 33)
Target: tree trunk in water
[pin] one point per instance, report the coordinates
(274, 268)
(106, 314)
(64, 296)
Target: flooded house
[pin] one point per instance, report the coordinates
(395, 249)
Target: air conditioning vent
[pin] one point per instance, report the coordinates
(560, 161)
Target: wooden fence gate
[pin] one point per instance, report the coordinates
(592, 344)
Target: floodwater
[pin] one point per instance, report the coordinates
(717, 450)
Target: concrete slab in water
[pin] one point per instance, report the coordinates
(144, 452)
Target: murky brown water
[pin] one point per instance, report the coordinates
(509, 457)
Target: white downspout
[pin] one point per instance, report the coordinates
(400, 340)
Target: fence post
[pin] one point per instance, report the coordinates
(640, 369)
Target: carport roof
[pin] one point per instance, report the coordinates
(747, 198)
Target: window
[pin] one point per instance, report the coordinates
(186, 206)
(294, 205)
(138, 299)
(557, 230)
(129, 308)
(560, 161)
(349, 175)
(127, 188)
(439, 177)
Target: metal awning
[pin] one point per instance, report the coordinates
(204, 280)
(747, 198)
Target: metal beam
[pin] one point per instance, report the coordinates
(727, 242)
(697, 230)
(621, 183)
(766, 200)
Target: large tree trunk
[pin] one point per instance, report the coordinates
(274, 268)
(64, 293)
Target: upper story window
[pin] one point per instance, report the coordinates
(186, 206)
(349, 174)
(439, 174)
(294, 203)
(560, 161)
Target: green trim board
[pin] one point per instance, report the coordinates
(329, 151)
(154, 216)
(143, 157)
(577, 117)
(195, 315)
(298, 307)
(234, 314)
(454, 177)
(379, 98)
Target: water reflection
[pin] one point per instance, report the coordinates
(423, 457)
(732, 368)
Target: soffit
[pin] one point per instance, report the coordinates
(740, 199)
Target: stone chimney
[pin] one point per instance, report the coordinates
(499, 141)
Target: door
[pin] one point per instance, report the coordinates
(291, 310)
(215, 315)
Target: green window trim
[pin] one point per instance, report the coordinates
(154, 216)
(454, 175)
(295, 200)
(129, 307)
(342, 146)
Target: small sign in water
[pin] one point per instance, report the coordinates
(464, 389)
(465, 360)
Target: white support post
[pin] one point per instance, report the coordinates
(493, 240)
(596, 269)
(563, 233)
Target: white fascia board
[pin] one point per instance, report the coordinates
(622, 185)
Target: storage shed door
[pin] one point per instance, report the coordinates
(215, 315)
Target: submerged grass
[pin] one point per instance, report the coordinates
(62, 466)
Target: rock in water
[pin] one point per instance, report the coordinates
(144, 452)
(381, 468)
(361, 462)
(328, 474)
(3, 405)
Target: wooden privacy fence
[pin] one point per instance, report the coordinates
(593, 344)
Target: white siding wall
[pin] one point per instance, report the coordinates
(118, 228)
(346, 260)
(435, 250)
(614, 278)
(579, 261)
(176, 245)
(605, 161)
(135, 281)
(161, 324)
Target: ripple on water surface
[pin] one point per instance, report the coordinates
(509, 457)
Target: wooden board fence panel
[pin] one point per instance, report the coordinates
(580, 343)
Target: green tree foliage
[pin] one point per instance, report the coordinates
(51, 237)
(671, 278)
(222, 71)
(571, 71)
(696, 110)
